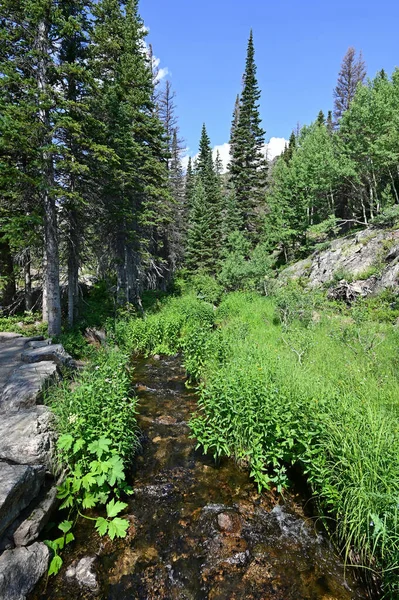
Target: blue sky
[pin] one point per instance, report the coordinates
(299, 48)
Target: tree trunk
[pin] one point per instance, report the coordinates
(28, 281)
(7, 281)
(73, 267)
(121, 280)
(44, 291)
(52, 277)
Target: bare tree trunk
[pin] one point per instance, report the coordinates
(121, 280)
(28, 281)
(44, 291)
(52, 279)
(394, 187)
(7, 281)
(73, 267)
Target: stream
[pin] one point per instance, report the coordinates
(200, 531)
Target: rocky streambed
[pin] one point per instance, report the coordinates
(27, 488)
(198, 531)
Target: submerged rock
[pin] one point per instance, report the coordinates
(21, 569)
(82, 571)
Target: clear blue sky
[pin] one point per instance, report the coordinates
(299, 47)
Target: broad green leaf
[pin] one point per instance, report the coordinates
(117, 470)
(65, 442)
(68, 502)
(78, 445)
(114, 508)
(89, 501)
(55, 565)
(117, 528)
(102, 525)
(65, 526)
(100, 446)
(69, 538)
(51, 545)
(60, 543)
(88, 481)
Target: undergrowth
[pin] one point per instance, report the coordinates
(294, 380)
(97, 439)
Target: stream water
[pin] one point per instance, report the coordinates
(200, 531)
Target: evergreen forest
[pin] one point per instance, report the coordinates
(103, 226)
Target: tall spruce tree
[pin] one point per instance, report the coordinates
(199, 255)
(189, 184)
(248, 166)
(135, 193)
(30, 29)
(206, 198)
(352, 72)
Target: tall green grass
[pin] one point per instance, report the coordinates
(290, 381)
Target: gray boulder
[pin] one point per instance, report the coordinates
(25, 384)
(26, 438)
(19, 484)
(21, 569)
(53, 352)
(30, 529)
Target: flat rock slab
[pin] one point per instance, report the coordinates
(19, 484)
(21, 569)
(25, 437)
(30, 529)
(25, 384)
(5, 336)
(53, 352)
(38, 344)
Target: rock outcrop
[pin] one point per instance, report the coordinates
(27, 366)
(368, 260)
(21, 569)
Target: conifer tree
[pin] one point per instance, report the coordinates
(28, 69)
(177, 228)
(352, 72)
(320, 118)
(330, 123)
(189, 184)
(200, 238)
(207, 198)
(289, 150)
(248, 166)
(135, 198)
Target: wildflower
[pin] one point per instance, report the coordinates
(72, 418)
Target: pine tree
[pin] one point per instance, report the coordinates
(353, 72)
(290, 149)
(248, 166)
(206, 197)
(28, 69)
(200, 240)
(189, 184)
(177, 228)
(135, 197)
(76, 147)
(320, 118)
(330, 123)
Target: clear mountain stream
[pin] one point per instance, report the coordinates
(200, 531)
